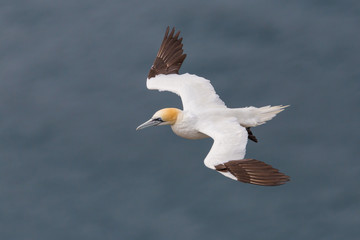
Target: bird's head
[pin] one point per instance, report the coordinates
(165, 116)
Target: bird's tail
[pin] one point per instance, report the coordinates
(253, 116)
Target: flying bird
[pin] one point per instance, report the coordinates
(205, 115)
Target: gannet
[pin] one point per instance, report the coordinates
(205, 115)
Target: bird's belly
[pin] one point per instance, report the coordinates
(188, 133)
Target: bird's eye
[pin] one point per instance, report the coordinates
(158, 119)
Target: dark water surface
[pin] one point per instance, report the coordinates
(72, 91)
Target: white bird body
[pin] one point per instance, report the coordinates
(201, 103)
(206, 115)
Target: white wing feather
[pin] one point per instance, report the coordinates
(195, 92)
(230, 140)
(228, 151)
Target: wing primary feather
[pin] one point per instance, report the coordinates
(254, 171)
(170, 55)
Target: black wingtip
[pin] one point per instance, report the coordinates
(254, 172)
(170, 55)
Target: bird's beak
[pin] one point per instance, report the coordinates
(150, 123)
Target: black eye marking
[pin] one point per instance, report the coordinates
(158, 119)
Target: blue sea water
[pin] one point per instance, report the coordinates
(72, 92)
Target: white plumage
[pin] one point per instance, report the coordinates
(195, 92)
(206, 115)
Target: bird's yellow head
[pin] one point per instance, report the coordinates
(165, 116)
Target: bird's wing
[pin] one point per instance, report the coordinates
(195, 92)
(170, 55)
(227, 154)
(229, 137)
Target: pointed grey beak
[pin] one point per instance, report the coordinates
(150, 123)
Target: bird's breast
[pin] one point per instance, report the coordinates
(185, 127)
(189, 133)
